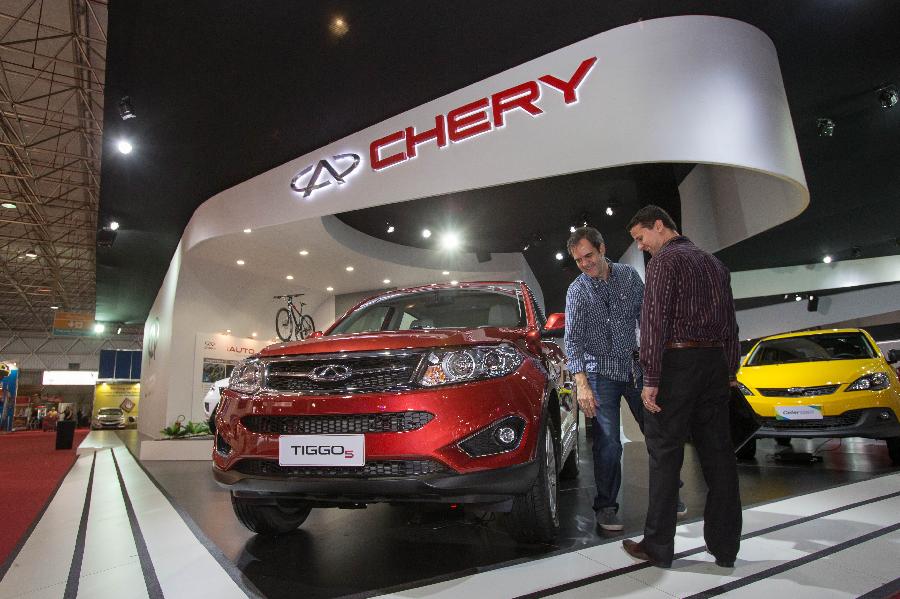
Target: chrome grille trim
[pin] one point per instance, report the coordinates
(371, 372)
(799, 391)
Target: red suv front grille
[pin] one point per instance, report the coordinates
(390, 422)
(361, 373)
(387, 468)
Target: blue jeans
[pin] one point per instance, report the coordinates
(607, 443)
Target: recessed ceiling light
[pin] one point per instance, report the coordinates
(253, 334)
(124, 146)
(339, 27)
(609, 211)
(390, 228)
(239, 262)
(290, 277)
(426, 233)
(99, 328)
(446, 272)
(386, 281)
(304, 253)
(8, 205)
(454, 282)
(227, 330)
(248, 230)
(349, 269)
(572, 229)
(450, 241)
(827, 259)
(329, 289)
(114, 225)
(559, 255)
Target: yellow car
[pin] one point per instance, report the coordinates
(826, 383)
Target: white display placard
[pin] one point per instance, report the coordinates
(798, 412)
(322, 450)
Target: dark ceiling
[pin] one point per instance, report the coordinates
(225, 90)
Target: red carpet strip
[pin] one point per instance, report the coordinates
(31, 470)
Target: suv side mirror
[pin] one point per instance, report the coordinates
(893, 356)
(555, 326)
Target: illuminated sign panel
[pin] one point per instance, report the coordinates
(70, 377)
(469, 120)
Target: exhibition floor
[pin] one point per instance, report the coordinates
(164, 529)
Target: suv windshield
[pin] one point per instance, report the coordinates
(812, 348)
(110, 412)
(439, 308)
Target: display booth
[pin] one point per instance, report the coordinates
(701, 90)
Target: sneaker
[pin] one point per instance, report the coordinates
(680, 508)
(608, 519)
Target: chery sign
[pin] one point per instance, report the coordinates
(469, 120)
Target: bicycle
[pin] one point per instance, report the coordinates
(291, 321)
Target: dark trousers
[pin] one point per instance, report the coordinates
(693, 395)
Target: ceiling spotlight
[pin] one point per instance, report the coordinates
(329, 289)
(446, 272)
(54, 307)
(454, 282)
(609, 211)
(426, 233)
(119, 331)
(390, 228)
(339, 27)
(450, 241)
(9, 205)
(888, 96)
(126, 110)
(239, 262)
(787, 296)
(572, 229)
(559, 255)
(228, 331)
(349, 269)
(114, 225)
(254, 334)
(99, 328)
(526, 246)
(304, 253)
(247, 230)
(827, 259)
(856, 251)
(798, 297)
(31, 254)
(124, 146)
(386, 281)
(290, 277)
(825, 127)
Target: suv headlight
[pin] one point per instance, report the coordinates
(870, 382)
(246, 376)
(469, 364)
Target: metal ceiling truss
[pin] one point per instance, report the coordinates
(52, 72)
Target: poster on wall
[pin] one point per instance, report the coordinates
(215, 356)
(117, 403)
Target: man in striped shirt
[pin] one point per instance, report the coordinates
(689, 354)
(602, 307)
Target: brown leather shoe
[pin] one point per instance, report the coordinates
(636, 550)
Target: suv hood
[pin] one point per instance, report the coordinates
(388, 340)
(808, 374)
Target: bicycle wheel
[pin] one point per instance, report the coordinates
(307, 326)
(284, 326)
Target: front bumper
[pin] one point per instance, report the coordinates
(866, 422)
(486, 486)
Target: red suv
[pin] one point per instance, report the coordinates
(444, 393)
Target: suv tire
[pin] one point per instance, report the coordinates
(747, 450)
(535, 515)
(894, 450)
(268, 519)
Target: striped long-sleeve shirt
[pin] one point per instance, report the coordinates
(687, 298)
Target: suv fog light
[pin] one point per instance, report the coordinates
(506, 435)
(499, 437)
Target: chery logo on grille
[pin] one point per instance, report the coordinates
(330, 372)
(316, 172)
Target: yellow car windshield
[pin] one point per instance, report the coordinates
(812, 348)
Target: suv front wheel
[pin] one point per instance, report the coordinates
(268, 519)
(535, 515)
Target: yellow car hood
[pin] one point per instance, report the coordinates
(808, 374)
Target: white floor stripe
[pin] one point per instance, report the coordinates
(42, 566)
(109, 547)
(183, 565)
(519, 580)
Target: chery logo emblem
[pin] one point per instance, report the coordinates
(310, 183)
(330, 372)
